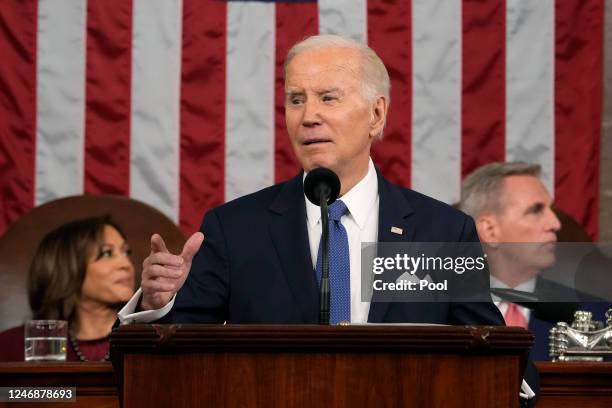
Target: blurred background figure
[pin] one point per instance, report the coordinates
(514, 217)
(82, 273)
(510, 205)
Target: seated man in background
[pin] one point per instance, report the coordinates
(514, 218)
(81, 273)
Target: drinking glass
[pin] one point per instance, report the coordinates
(45, 340)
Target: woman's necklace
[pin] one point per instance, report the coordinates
(77, 350)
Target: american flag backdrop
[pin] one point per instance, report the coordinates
(179, 103)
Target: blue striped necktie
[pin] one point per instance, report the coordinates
(339, 265)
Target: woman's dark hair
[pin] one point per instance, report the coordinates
(58, 268)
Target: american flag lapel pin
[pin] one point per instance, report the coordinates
(397, 230)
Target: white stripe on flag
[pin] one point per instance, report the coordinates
(249, 133)
(530, 38)
(436, 104)
(60, 102)
(344, 17)
(156, 56)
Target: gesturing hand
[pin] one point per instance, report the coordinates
(163, 273)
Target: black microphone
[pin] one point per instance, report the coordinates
(321, 183)
(552, 312)
(322, 187)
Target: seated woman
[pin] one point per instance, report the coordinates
(81, 273)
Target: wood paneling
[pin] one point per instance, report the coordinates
(95, 382)
(575, 384)
(312, 366)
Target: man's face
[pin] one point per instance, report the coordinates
(330, 123)
(527, 217)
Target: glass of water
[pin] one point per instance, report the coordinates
(45, 340)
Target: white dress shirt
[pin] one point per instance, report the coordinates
(528, 286)
(361, 224)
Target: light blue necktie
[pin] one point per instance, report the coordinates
(339, 265)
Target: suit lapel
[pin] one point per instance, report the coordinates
(394, 210)
(290, 237)
(395, 214)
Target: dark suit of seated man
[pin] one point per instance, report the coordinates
(257, 264)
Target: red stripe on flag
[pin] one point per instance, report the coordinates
(18, 27)
(202, 151)
(294, 22)
(107, 92)
(390, 35)
(578, 108)
(483, 106)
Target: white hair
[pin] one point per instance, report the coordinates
(375, 76)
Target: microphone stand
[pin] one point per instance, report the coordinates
(324, 289)
(322, 187)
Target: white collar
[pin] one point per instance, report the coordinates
(358, 200)
(527, 286)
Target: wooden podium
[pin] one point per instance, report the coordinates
(319, 366)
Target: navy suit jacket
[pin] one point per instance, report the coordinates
(255, 264)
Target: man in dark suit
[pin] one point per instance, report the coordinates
(257, 264)
(514, 218)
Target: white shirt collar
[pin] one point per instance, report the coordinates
(527, 286)
(358, 200)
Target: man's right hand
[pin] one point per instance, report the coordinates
(163, 273)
